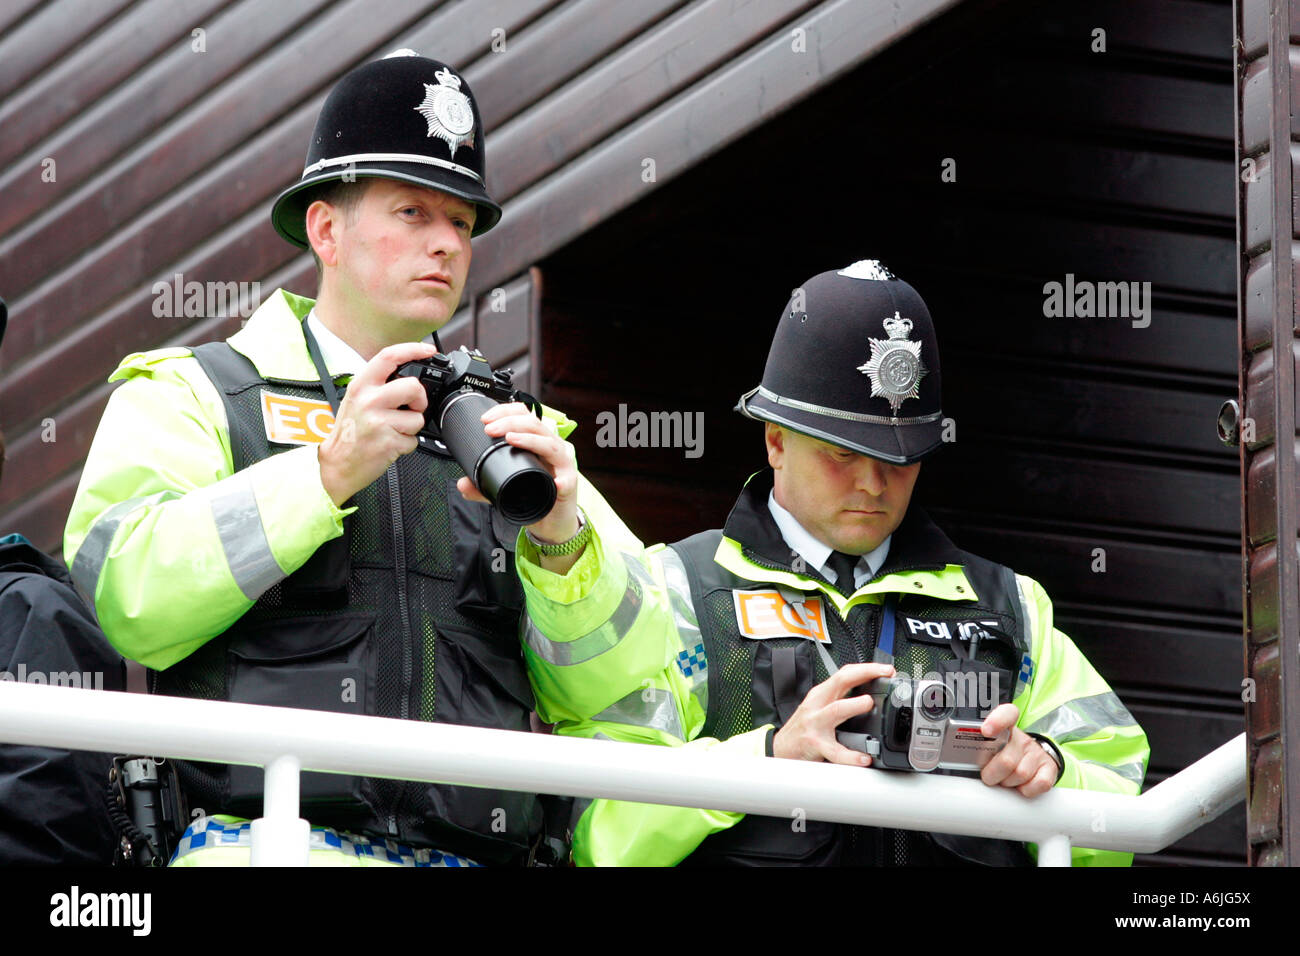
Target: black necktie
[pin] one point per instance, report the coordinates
(843, 565)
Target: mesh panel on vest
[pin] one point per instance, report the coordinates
(732, 706)
(731, 712)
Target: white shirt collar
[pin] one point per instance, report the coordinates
(340, 358)
(815, 553)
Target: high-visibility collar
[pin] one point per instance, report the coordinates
(922, 560)
(273, 340)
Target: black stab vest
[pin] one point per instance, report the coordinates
(412, 613)
(750, 684)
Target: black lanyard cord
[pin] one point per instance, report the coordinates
(326, 380)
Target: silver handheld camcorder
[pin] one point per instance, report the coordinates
(913, 726)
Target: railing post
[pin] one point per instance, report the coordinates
(1054, 850)
(280, 837)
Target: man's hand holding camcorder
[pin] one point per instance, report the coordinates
(1023, 764)
(372, 429)
(809, 734)
(522, 429)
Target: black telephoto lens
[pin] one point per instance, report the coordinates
(514, 480)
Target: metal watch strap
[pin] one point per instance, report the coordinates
(574, 544)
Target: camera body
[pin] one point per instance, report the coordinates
(461, 386)
(913, 726)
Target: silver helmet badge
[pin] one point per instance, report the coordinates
(895, 366)
(450, 116)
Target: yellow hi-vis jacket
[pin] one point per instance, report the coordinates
(171, 544)
(614, 597)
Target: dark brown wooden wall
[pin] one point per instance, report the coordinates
(1073, 434)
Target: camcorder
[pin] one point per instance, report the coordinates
(913, 726)
(461, 386)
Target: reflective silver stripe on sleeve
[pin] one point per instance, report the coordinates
(1129, 771)
(648, 707)
(243, 538)
(1028, 621)
(688, 625)
(89, 562)
(597, 642)
(1082, 718)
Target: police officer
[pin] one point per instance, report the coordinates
(255, 524)
(52, 808)
(823, 580)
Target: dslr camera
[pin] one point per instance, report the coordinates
(913, 726)
(461, 386)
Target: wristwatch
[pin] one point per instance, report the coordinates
(572, 546)
(1053, 751)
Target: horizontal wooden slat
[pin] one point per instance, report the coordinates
(1147, 577)
(656, 509)
(501, 323)
(1193, 264)
(1181, 736)
(1034, 164)
(1108, 99)
(86, 74)
(48, 33)
(1254, 27)
(13, 14)
(1191, 659)
(1179, 340)
(1171, 29)
(56, 444)
(42, 517)
(1050, 405)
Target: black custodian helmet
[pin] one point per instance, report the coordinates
(404, 117)
(855, 362)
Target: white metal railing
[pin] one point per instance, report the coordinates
(286, 741)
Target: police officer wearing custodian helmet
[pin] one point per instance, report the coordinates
(255, 523)
(825, 580)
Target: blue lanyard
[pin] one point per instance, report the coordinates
(886, 642)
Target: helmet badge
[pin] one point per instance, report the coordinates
(450, 116)
(895, 366)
